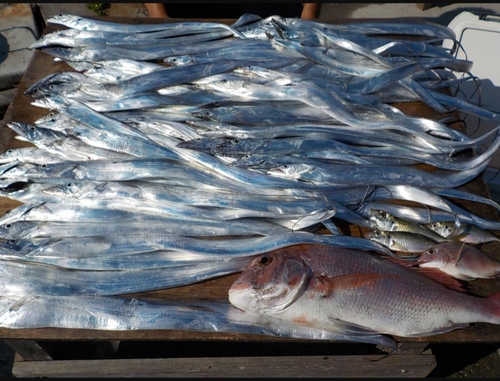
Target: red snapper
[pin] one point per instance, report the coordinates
(354, 292)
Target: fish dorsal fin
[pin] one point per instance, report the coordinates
(460, 252)
(433, 273)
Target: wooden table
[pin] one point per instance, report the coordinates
(51, 352)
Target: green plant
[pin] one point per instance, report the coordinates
(98, 8)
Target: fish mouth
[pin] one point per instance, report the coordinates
(239, 298)
(238, 286)
(17, 128)
(423, 262)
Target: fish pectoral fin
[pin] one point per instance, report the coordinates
(351, 329)
(327, 285)
(441, 277)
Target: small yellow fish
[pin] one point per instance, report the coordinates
(468, 233)
(403, 242)
(387, 222)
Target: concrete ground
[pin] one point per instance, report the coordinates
(455, 361)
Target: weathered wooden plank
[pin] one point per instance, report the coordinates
(414, 366)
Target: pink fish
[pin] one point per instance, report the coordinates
(460, 260)
(355, 292)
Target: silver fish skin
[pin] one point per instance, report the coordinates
(88, 24)
(362, 174)
(121, 313)
(120, 244)
(199, 228)
(328, 288)
(59, 143)
(80, 212)
(56, 121)
(33, 155)
(461, 261)
(132, 262)
(143, 53)
(134, 191)
(25, 277)
(85, 115)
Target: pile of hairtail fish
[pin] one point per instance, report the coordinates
(173, 153)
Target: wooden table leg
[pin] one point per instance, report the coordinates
(29, 350)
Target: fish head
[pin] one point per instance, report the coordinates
(66, 19)
(16, 230)
(443, 228)
(382, 220)
(52, 119)
(25, 131)
(437, 256)
(69, 189)
(64, 53)
(380, 236)
(290, 171)
(9, 156)
(270, 283)
(250, 160)
(59, 82)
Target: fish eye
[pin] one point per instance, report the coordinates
(7, 226)
(32, 128)
(265, 260)
(431, 251)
